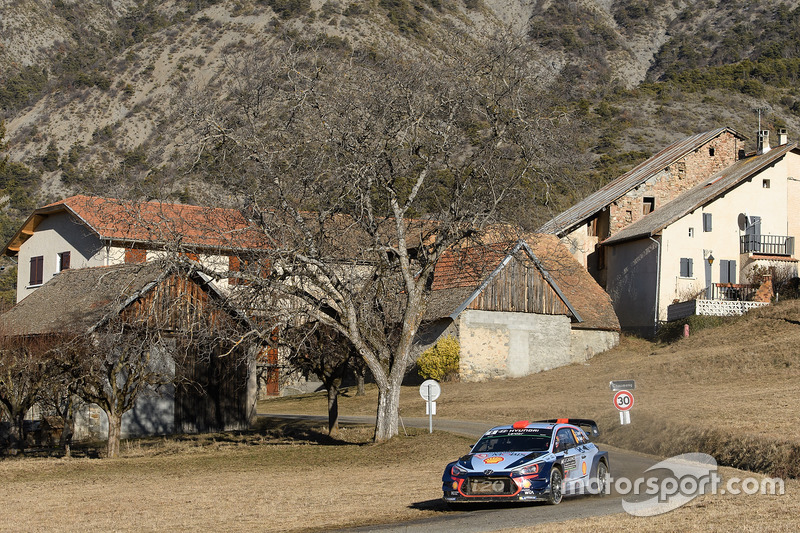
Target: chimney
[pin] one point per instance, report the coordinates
(763, 142)
(783, 136)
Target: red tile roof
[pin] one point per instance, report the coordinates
(151, 223)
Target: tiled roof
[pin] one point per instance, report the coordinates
(699, 195)
(150, 222)
(612, 191)
(459, 274)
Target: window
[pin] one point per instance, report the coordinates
(687, 268)
(648, 205)
(62, 261)
(765, 184)
(37, 270)
(564, 440)
(135, 255)
(691, 232)
(711, 152)
(727, 271)
(706, 221)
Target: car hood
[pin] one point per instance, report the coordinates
(497, 461)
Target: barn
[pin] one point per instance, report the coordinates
(213, 383)
(517, 308)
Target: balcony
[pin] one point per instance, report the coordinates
(766, 244)
(731, 292)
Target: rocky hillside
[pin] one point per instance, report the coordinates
(89, 89)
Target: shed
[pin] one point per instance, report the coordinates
(518, 308)
(212, 391)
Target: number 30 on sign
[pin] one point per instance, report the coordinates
(623, 400)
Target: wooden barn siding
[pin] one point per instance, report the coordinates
(211, 390)
(211, 394)
(177, 304)
(520, 288)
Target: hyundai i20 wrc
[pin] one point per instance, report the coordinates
(529, 461)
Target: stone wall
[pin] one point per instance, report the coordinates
(500, 345)
(680, 176)
(586, 343)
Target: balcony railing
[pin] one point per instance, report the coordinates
(731, 292)
(766, 244)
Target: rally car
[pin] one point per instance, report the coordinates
(529, 461)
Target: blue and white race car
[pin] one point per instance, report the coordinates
(529, 461)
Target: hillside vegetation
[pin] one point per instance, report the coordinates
(730, 391)
(89, 89)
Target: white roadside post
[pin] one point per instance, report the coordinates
(623, 398)
(430, 390)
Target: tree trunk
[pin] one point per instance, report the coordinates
(114, 431)
(386, 425)
(360, 373)
(17, 431)
(69, 427)
(333, 407)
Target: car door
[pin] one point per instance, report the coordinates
(571, 461)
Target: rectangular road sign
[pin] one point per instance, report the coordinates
(622, 384)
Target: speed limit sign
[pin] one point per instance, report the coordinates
(623, 400)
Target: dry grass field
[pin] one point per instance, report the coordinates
(732, 391)
(270, 480)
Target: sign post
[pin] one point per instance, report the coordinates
(623, 401)
(430, 390)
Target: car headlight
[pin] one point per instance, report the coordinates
(529, 469)
(457, 470)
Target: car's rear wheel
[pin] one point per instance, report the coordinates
(556, 486)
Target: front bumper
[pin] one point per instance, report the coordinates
(527, 488)
(453, 496)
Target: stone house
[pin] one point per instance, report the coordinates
(517, 308)
(213, 390)
(707, 250)
(644, 189)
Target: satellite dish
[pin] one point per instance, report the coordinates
(743, 221)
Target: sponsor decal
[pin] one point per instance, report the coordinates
(493, 460)
(583, 468)
(570, 463)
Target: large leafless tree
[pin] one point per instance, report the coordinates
(362, 169)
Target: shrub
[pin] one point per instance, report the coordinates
(440, 362)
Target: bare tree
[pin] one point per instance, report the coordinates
(115, 365)
(314, 349)
(362, 170)
(28, 365)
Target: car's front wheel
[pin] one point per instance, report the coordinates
(602, 478)
(556, 486)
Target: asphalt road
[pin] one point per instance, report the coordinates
(494, 517)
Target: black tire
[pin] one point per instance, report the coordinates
(602, 479)
(556, 487)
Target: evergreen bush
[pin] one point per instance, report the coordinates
(440, 361)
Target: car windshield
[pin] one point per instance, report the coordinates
(513, 443)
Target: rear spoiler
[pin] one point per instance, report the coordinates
(583, 423)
